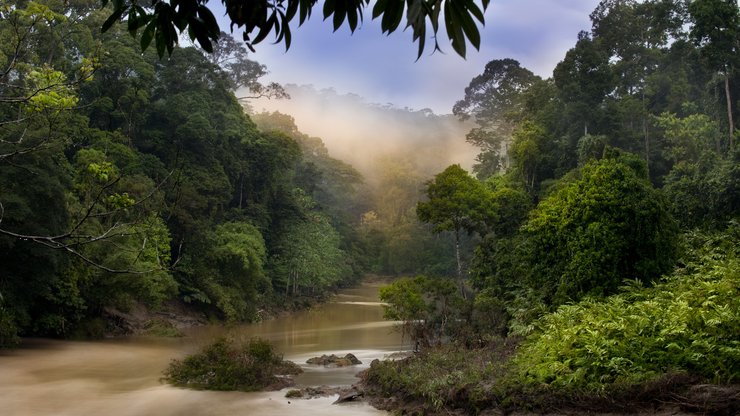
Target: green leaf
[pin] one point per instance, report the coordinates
(113, 18)
(160, 42)
(379, 8)
(148, 35)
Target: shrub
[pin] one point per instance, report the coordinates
(689, 324)
(429, 308)
(225, 365)
(8, 329)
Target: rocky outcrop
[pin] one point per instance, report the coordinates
(346, 394)
(334, 361)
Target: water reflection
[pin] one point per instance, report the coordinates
(121, 377)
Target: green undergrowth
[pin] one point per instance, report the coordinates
(675, 343)
(229, 365)
(687, 324)
(446, 376)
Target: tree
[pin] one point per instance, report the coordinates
(231, 56)
(456, 202)
(428, 308)
(634, 35)
(492, 99)
(165, 20)
(716, 31)
(606, 224)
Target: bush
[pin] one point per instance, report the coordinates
(687, 324)
(8, 329)
(225, 365)
(446, 376)
(429, 308)
(607, 225)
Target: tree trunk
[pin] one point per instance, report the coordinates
(729, 112)
(647, 145)
(241, 189)
(645, 133)
(459, 263)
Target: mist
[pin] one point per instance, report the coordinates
(367, 135)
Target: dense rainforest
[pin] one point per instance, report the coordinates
(130, 181)
(605, 208)
(590, 257)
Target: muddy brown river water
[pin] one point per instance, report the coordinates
(120, 377)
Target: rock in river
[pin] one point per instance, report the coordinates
(334, 361)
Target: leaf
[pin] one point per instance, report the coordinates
(468, 26)
(132, 22)
(379, 8)
(352, 18)
(113, 18)
(160, 42)
(392, 16)
(340, 13)
(306, 6)
(454, 29)
(329, 8)
(148, 35)
(209, 21)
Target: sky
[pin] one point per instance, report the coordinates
(383, 69)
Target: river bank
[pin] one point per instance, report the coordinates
(457, 381)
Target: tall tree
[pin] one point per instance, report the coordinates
(492, 100)
(716, 31)
(232, 56)
(456, 202)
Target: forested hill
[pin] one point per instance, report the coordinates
(129, 180)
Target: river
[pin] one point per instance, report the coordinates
(120, 377)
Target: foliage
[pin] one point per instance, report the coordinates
(235, 279)
(687, 324)
(8, 329)
(124, 182)
(166, 19)
(443, 378)
(607, 225)
(227, 365)
(705, 193)
(456, 202)
(493, 100)
(308, 257)
(428, 308)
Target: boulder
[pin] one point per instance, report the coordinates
(334, 361)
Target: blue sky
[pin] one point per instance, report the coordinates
(383, 69)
